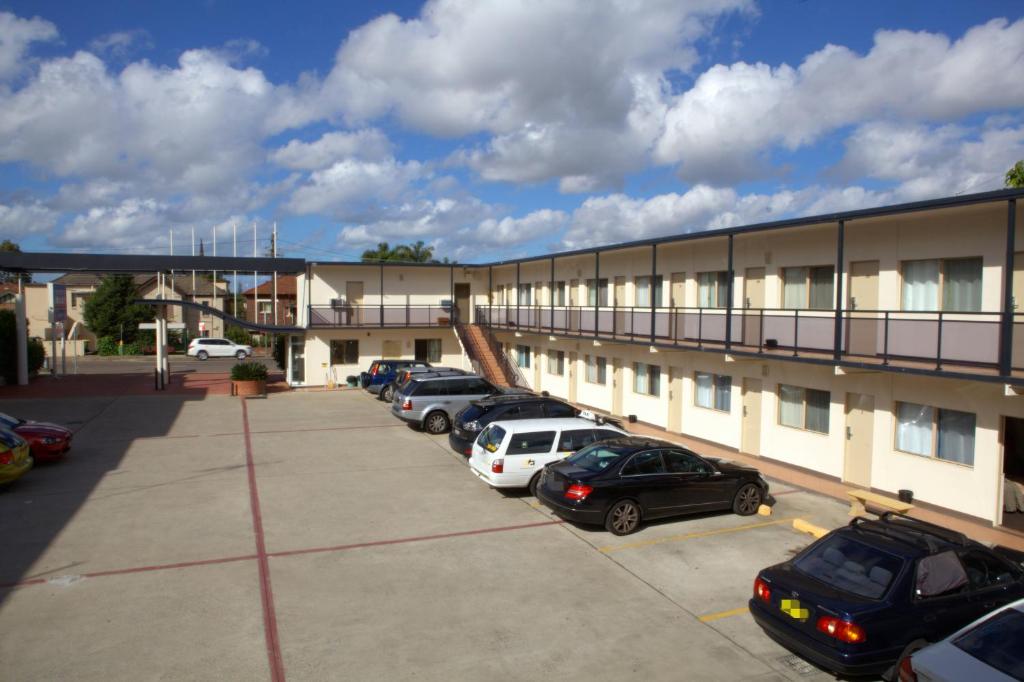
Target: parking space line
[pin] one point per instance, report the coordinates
(137, 569)
(690, 536)
(420, 538)
(710, 617)
(273, 642)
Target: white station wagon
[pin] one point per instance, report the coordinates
(203, 348)
(511, 454)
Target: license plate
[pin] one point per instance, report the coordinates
(794, 609)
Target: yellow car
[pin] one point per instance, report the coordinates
(14, 458)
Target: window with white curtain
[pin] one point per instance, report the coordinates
(808, 288)
(556, 362)
(523, 356)
(646, 379)
(713, 289)
(643, 291)
(943, 434)
(597, 369)
(804, 408)
(597, 292)
(713, 391)
(560, 293)
(955, 283)
(525, 294)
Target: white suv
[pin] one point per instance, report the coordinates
(511, 454)
(217, 348)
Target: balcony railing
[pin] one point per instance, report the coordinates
(931, 340)
(355, 316)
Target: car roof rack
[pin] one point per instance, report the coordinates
(910, 530)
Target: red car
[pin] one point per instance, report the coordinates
(48, 442)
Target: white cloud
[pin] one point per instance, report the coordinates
(16, 34)
(20, 219)
(350, 186)
(718, 128)
(368, 144)
(512, 231)
(120, 225)
(122, 43)
(424, 219)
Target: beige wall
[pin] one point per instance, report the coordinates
(371, 347)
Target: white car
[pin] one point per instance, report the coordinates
(203, 348)
(511, 454)
(991, 649)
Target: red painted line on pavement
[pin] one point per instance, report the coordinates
(421, 538)
(266, 592)
(140, 569)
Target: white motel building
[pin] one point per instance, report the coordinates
(882, 348)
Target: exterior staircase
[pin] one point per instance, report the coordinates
(485, 354)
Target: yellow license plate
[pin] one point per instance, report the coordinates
(793, 609)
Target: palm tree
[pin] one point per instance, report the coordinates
(382, 252)
(1015, 176)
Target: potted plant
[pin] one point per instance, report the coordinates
(249, 378)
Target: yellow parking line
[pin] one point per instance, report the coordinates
(691, 536)
(707, 618)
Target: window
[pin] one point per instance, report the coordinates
(525, 294)
(344, 352)
(645, 463)
(988, 640)
(528, 411)
(597, 293)
(594, 458)
(677, 462)
(559, 410)
(803, 408)
(577, 439)
(932, 432)
(266, 308)
(713, 391)
(713, 289)
(597, 370)
(646, 379)
(560, 293)
(938, 575)
(470, 387)
(808, 288)
(428, 350)
(523, 356)
(556, 362)
(490, 438)
(530, 443)
(643, 291)
(954, 282)
(850, 566)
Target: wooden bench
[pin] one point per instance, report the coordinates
(859, 499)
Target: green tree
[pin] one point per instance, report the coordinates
(8, 245)
(382, 252)
(9, 349)
(417, 252)
(110, 311)
(1015, 176)
(238, 334)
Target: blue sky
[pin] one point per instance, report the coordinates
(489, 129)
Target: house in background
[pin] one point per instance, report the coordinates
(259, 302)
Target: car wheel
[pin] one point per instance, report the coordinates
(240, 355)
(436, 423)
(893, 673)
(534, 482)
(202, 355)
(387, 393)
(747, 500)
(623, 518)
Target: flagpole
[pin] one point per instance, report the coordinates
(274, 255)
(234, 273)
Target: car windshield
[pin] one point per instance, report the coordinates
(595, 458)
(491, 437)
(998, 641)
(9, 421)
(472, 413)
(850, 566)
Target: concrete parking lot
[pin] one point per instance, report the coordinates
(311, 536)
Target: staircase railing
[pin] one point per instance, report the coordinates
(510, 370)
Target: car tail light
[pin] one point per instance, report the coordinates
(906, 671)
(407, 405)
(498, 466)
(578, 492)
(762, 591)
(6, 457)
(468, 451)
(843, 630)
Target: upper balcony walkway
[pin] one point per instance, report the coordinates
(933, 343)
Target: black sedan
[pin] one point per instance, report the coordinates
(620, 482)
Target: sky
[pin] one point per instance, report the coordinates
(488, 129)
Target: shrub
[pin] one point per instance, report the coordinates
(249, 371)
(106, 345)
(9, 349)
(238, 335)
(36, 354)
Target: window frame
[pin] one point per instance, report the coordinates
(721, 288)
(715, 378)
(804, 404)
(808, 283)
(941, 284)
(523, 351)
(559, 359)
(602, 286)
(348, 344)
(600, 369)
(649, 376)
(933, 452)
(430, 357)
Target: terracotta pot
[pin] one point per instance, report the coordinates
(247, 388)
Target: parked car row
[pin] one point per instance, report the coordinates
(24, 442)
(868, 598)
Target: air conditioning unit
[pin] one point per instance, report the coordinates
(338, 303)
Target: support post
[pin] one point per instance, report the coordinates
(1006, 323)
(21, 331)
(517, 295)
(654, 276)
(382, 294)
(451, 292)
(728, 299)
(551, 297)
(837, 349)
(597, 291)
(490, 294)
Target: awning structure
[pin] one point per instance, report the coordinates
(13, 261)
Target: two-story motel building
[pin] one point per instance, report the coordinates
(881, 347)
